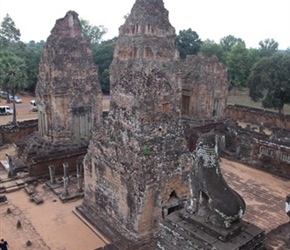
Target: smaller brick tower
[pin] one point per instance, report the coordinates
(204, 88)
(69, 96)
(69, 101)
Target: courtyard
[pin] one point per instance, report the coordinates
(55, 225)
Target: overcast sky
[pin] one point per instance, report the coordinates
(251, 20)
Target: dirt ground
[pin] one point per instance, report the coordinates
(53, 224)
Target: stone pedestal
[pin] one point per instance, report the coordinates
(181, 230)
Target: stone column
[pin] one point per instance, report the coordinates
(65, 184)
(261, 127)
(79, 177)
(11, 170)
(65, 170)
(52, 174)
(80, 168)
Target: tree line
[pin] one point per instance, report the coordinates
(264, 70)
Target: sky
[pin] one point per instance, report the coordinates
(250, 20)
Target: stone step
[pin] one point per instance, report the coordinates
(142, 244)
(12, 189)
(219, 233)
(164, 244)
(190, 230)
(182, 232)
(177, 229)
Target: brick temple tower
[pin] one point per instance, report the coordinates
(69, 96)
(69, 101)
(136, 169)
(204, 88)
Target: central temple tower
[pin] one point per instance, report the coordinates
(136, 169)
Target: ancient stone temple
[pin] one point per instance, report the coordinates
(69, 101)
(204, 88)
(136, 169)
(69, 97)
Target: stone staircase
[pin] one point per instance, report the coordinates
(8, 185)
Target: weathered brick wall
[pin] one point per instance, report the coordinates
(269, 157)
(40, 169)
(140, 150)
(247, 146)
(193, 131)
(177, 185)
(35, 153)
(13, 134)
(69, 100)
(269, 153)
(204, 80)
(256, 116)
(251, 147)
(68, 92)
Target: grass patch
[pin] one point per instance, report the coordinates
(242, 98)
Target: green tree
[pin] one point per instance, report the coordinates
(12, 72)
(268, 47)
(187, 43)
(240, 61)
(103, 56)
(269, 81)
(32, 58)
(229, 41)
(92, 33)
(210, 48)
(8, 32)
(36, 46)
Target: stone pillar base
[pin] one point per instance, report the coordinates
(183, 231)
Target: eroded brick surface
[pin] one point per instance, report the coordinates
(139, 159)
(68, 93)
(205, 88)
(69, 101)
